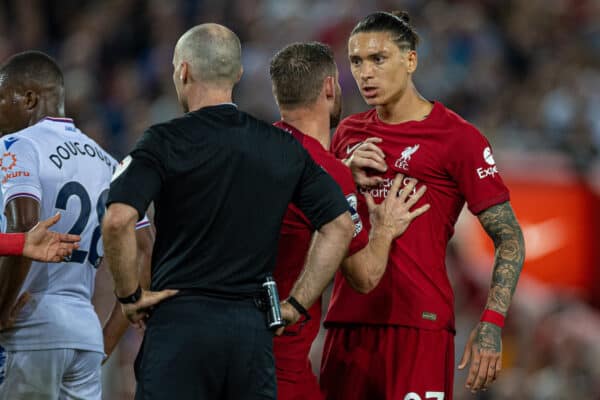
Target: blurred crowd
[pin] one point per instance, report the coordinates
(527, 73)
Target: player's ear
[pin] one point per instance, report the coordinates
(329, 87)
(30, 99)
(240, 74)
(183, 73)
(412, 60)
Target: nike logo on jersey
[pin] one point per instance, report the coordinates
(350, 149)
(9, 142)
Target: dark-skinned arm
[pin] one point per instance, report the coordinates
(484, 347)
(22, 214)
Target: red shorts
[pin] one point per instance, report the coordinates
(391, 363)
(295, 377)
(296, 384)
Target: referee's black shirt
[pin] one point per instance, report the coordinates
(221, 181)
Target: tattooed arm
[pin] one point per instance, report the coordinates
(484, 347)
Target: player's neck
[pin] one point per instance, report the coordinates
(46, 109)
(203, 96)
(411, 106)
(310, 122)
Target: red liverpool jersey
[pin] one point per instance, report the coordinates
(296, 233)
(455, 161)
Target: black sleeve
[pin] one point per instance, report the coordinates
(139, 180)
(318, 195)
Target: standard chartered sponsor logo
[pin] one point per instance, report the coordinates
(383, 189)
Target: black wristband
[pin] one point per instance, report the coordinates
(296, 304)
(132, 298)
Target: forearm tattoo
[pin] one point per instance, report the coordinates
(488, 337)
(501, 225)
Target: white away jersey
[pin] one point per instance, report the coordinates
(54, 163)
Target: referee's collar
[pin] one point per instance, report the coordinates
(219, 105)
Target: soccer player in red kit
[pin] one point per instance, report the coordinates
(397, 342)
(306, 88)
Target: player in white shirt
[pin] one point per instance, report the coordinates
(55, 348)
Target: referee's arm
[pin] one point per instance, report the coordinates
(321, 200)
(131, 191)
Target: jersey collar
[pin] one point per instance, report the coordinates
(58, 119)
(290, 129)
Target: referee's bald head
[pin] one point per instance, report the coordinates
(213, 52)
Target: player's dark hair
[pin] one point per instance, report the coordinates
(298, 71)
(32, 66)
(397, 23)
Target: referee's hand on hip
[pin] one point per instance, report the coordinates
(289, 314)
(138, 312)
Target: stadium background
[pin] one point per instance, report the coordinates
(527, 73)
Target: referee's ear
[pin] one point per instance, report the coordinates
(239, 76)
(183, 73)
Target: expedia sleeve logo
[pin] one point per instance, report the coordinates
(492, 170)
(353, 205)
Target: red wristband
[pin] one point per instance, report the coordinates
(493, 317)
(11, 244)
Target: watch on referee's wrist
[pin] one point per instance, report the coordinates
(132, 298)
(298, 307)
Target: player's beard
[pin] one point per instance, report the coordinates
(336, 112)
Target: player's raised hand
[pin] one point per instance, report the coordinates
(484, 351)
(42, 244)
(139, 311)
(393, 215)
(367, 156)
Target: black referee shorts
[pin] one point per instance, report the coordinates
(200, 347)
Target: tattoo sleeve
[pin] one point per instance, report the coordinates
(501, 225)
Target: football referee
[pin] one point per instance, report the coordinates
(220, 181)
